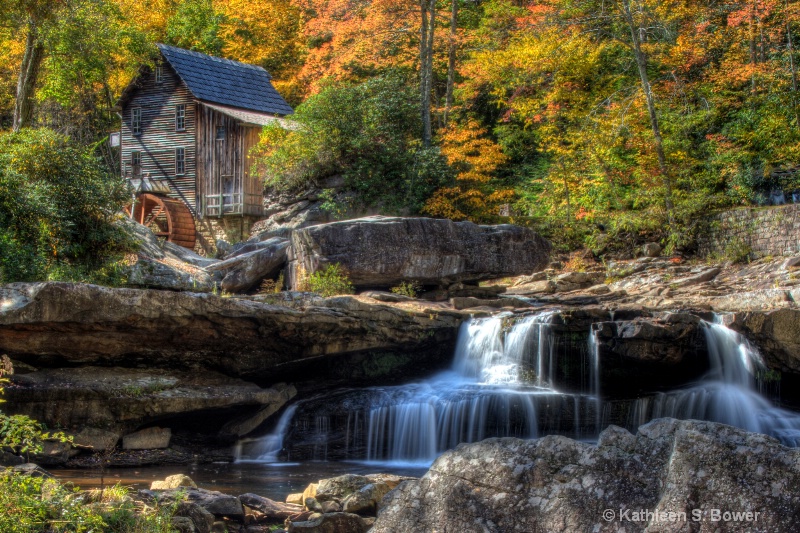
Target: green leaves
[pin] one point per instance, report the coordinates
(366, 133)
(57, 208)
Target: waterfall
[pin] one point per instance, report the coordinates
(727, 394)
(594, 352)
(266, 449)
(504, 382)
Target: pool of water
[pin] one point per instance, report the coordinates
(271, 480)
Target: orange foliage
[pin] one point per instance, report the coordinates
(475, 158)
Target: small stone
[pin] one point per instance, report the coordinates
(313, 505)
(296, 498)
(651, 249)
(173, 482)
(183, 524)
(310, 492)
(331, 507)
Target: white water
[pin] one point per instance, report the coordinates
(266, 449)
(501, 384)
(727, 393)
(502, 367)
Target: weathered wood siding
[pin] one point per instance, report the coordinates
(223, 166)
(253, 186)
(158, 139)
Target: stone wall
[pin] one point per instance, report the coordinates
(232, 229)
(760, 231)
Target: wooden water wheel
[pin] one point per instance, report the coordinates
(168, 218)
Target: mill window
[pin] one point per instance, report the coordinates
(159, 74)
(136, 164)
(180, 117)
(136, 121)
(180, 161)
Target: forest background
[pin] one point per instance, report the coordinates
(583, 118)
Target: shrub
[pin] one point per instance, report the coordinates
(272, 286)
(331, 281)
(366, 133)
(407, 288)
(31, 504)
(57, 208)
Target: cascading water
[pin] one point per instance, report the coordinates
(500, 385)
(727, 394)
(266, 449)
(503, 383)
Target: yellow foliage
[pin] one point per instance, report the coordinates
(475, 158)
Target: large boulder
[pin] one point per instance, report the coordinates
(776, 333)
(380, 252)
(671, 476)
(164, 265)
(260, 260)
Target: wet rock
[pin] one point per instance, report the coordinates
(560, 485)
(269, 508)
(331, 507)
(153, 438)
(183, 524)
(32, 469)
(776, 333)
(201, 519)
(331, 523)
(385, 251)
(216, 503)
(366, 500)
(313, 505)
(339, 487)
(173, 482)
(295, 499)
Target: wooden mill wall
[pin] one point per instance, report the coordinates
(158, 139)
(227, 157)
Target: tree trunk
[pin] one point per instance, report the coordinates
(451, 61)
(28, 74)
(641, 64)
(428, 11)
(792, 68)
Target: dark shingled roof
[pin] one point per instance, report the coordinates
(227, 82)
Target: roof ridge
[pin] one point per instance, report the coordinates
(176, 49)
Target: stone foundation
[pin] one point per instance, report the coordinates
(762, 231)
(232, 229)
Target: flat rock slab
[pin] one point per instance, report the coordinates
(385, 251)
(90, 325)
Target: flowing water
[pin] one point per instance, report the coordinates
(727, 394)
(500, 385)
(503, 383)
